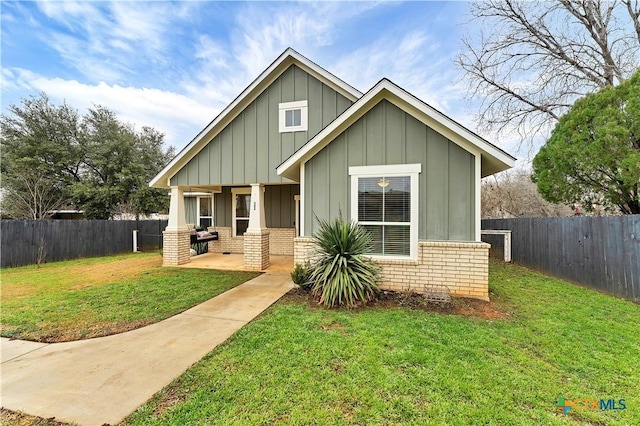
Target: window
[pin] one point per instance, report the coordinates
(293, 116)
(241, 205)
(384, 200)
(205, 211)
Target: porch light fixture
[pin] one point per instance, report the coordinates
(383, 183)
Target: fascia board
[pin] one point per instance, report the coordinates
(451, 129)
(326, 77)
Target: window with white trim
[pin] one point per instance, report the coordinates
(384, 200)
(241, 203)
(205, 211)
(293, 116)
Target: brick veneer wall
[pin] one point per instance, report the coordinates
(226, 243)
(280, 241)
(460, 266)
(176, 246)
(463, 267)
(303, 249)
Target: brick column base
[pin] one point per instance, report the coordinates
(175, 247)
(256, 250)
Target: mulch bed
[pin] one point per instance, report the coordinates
(394, 299)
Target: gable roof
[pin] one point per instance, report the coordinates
(494, 159)
(280, 65)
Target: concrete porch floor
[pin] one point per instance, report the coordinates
(235, 262)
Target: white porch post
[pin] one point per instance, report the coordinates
(256, 238)
(257, 221)
(177, 221)
(176, 236)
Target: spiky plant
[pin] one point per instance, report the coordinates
(300, 275)
(342, 274)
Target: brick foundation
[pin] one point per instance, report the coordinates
(176, 246)
(463, 267)
(256, 250)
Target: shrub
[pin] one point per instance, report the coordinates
(301, 275)
(342, 273)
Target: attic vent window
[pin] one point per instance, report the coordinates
(293, 116)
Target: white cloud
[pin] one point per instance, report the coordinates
(260, 32)
(104, 40)
(178, 116)
(414, 62)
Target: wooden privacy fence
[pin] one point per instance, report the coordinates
(24, 242)
(598, 252)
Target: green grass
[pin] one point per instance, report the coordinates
(300, 364)
(78, 299)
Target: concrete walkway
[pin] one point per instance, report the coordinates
(102, 380)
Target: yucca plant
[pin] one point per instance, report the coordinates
(342, 274)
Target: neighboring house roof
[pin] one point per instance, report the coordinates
(282, 63)
(494, 159)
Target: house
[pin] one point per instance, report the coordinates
(300, 143)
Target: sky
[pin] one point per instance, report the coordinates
(175, 65)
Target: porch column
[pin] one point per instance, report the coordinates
(256, 237)
(176, 236)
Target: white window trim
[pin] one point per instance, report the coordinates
(393, 170)
(235, 191)
(296, 201)
(304, 116)
(198, 201)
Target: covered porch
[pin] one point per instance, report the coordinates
(235, 262)
(253, 223)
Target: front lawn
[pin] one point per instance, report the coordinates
(301, 364)
(85, 298)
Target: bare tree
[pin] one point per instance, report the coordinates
(533, 59)
(513, 194)
(31, 195)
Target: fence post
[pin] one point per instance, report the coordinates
(135, 240)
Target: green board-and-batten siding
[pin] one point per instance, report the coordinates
(250, 148)
(279, 206)
(388, 135)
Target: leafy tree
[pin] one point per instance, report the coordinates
(41, 157)
(94, 162)
(153, 157)
(532, 59)
(593, 155)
